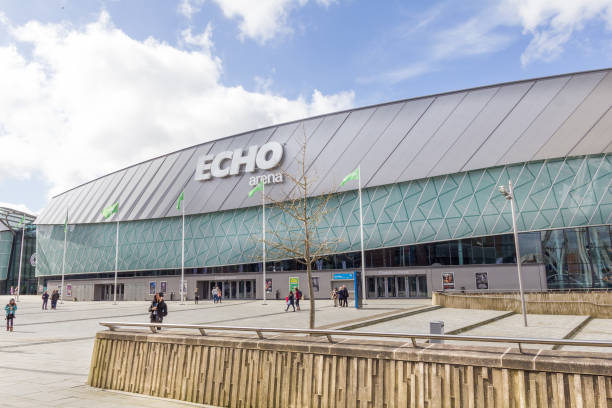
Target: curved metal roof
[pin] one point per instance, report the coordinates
(565, 115)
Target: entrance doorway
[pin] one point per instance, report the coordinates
(230, 289)
(411, 286)
(105, 292)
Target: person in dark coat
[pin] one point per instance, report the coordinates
(45, 299)
(158, 309)
(290, 301)
(340, 295)
(54, 298)
(345, 296)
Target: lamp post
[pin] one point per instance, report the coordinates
(509, 195)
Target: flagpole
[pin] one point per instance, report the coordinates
(183, 261)
(116, 261)
(363, 280)
(64, 257)
(20, 262)
(263, 228)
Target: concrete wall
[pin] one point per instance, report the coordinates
(241, 371)
(500, 277)
(595, 304)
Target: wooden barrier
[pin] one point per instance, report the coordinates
(595, 304)
(242, 371)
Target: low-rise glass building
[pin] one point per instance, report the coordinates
(433, 217)
(16, 228)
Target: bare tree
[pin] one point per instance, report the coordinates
(297, 235)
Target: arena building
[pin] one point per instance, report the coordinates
(433, 216)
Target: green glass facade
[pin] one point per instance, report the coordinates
(10, 250)
(550, 194)
(6, 242)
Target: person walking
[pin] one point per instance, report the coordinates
(298, 296)
(290, 301)
(158, 309)
(45, 299)
(219, 295)
(340, 296)
(334, 296)
(54, 298)
(196, 297)
(214, 294)
(10, 310)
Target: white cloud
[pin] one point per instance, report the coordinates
(260, 20)
(552, 23)
(398, 75)
(83, 102)
(190, 7)
(203, 40)
(19, 207)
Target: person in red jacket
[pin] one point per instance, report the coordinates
(298, 296)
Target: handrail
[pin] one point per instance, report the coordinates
(329, 333)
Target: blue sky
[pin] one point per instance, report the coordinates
(87, 87)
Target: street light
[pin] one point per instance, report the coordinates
(509, 195)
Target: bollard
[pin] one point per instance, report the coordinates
(436, 327)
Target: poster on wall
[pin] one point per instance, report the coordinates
(293, 283)
(448, 280)
(315, 283)
(68, 290)
(185, 286)
(152, 287)
(482, 280)
(268, 285)
(162, 286)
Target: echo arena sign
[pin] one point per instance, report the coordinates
(235, 162)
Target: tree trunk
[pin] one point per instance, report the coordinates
(311, 299)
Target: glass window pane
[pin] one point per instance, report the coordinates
(441, 253)
(530, 245)
(466, 249)
(600, 249)
(554, 253)
(477, 251)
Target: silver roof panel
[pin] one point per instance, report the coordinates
(441, 134)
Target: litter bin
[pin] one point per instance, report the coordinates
(436, 327)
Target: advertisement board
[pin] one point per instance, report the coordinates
(268, 285)
(448, 280)
(482, 280)
(294, 283)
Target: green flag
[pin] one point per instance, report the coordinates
(22, 221)
(108, 211)
(351, 176)
(66, 222)
(257, 188)
(178, 202)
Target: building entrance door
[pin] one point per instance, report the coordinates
(230, 289)
(417, 286)
(104, 292)
(397, 286)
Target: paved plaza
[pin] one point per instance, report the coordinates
(45, 361)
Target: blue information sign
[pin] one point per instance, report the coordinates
(344, 276)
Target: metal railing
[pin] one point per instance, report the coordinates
(329, 333)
